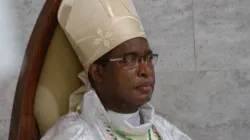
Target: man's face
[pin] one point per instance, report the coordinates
(128, 84)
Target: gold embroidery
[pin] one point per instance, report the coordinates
(102, 38)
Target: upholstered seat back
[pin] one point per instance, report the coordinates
(58, 80)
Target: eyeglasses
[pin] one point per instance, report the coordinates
(129, 61)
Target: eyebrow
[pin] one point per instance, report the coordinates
(149, 52)
(135, 53)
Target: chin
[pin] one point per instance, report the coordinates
(138, 98)
(142, 101)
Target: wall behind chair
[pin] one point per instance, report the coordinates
(17, 19)
(203, 72)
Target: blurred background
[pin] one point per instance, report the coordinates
(203, 72)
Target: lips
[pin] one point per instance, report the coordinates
(146, 87)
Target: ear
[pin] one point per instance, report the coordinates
(96, 72)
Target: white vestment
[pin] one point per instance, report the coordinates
(92, 124)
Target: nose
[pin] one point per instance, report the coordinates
(144, 70)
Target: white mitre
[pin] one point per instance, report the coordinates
(94, 27)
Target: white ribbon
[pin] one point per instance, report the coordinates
(75, 100)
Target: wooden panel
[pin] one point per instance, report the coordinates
(23, 125)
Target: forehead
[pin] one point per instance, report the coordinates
(136, 45)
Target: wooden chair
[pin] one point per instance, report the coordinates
(49, 61)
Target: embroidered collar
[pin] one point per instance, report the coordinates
(94, 111)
